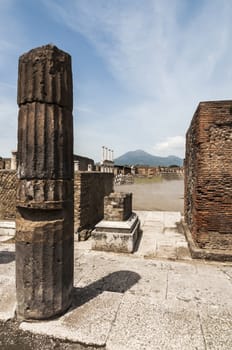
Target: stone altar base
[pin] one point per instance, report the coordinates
(116, 236)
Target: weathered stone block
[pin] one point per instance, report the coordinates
(45, 141)
(45, 75)
(116, 236)
(89, 192)
(118, 206)
(44, 263)
(44, 194)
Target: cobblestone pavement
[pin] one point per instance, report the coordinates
(156, 298)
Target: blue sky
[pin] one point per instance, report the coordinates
(140, 67)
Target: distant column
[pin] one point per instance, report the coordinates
(76, 165)
(13, 160)
(44, 219)
(103, 154)
(106, 153)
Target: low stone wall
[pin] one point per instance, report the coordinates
(90, 188)
(8, 179)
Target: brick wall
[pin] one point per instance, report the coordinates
(90, 188)
(118, 206)
(208, 174)
(8, 181)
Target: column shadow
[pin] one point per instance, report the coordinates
(117, 282)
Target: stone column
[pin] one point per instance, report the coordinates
(106, 153)
(13, 165)
(76, 165)
(103, 154)
(44, 218)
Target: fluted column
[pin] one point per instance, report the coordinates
(44, 219)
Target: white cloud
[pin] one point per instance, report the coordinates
(163, 53)
(146, 46)
(170, 146)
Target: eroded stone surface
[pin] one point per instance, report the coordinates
(208, 171)
(45, 76)
(117, 206)
(44, 217)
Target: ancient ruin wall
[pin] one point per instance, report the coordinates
(8, 180)
(90, 188)
(83, 162)
(208, 174)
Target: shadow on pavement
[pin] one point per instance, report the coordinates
(6, 257)
(118, 282)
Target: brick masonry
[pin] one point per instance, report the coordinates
(208, 174)
(8, 181)
(118, 206)
(90, 188)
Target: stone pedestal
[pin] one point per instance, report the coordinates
(119, 230)
(116, 236)
(44, 217)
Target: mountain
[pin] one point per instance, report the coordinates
(140, 157)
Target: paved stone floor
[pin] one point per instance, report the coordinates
(156, 298)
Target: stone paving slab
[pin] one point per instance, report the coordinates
(167, 325)
(7, 297)
(125, 302)
(216, 327)
(161, 236)
(7, 283)
(89, 323)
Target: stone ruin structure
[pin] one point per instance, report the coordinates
(119, 230)
(44, 198)
(208, 174)
(107, 160)
(90, 188)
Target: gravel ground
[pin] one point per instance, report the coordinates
(12, 338)
(166, 195)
